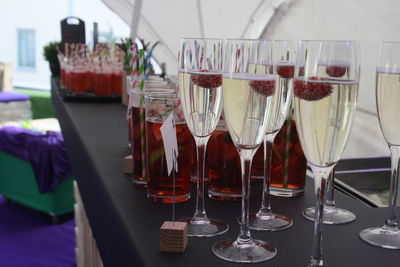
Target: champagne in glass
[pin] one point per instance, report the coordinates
(247, 108)
(387, 100)
(336, 70)
(281, 97)
(324, 109)
(200, 77)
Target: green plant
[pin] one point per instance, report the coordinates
(50, 51)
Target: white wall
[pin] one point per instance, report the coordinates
(44, 16)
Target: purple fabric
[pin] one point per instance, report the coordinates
(45, 151)
(28, 238)
(11, 96)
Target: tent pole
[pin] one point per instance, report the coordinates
(135, 19)
(199, 13)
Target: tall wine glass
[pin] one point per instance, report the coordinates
(324, 109)
(332, 69)
(248, 104)
(283, 65)
(200, 78)
(387, 100)
(332, 214)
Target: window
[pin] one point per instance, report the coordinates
(26, 49)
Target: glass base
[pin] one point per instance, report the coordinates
(256, 251)
(270, 222)
(331, 215)
(167, 199)
(205, 228)
(139, 183)
(382, 237)
(224, 196)
(286, 192)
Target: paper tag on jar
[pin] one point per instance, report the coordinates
(170, 142)
(130, 105)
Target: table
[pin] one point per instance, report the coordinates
(126, 225)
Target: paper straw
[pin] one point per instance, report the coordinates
(289, 122)
(134, 73)
(148, 65)
(141, 108)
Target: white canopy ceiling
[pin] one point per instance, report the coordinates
(168, 21)
(368, 21)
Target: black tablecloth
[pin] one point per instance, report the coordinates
(126, 225)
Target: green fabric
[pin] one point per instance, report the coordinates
(17, 182)
(40, 103)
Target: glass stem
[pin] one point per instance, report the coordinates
(391, 220)
(266, 197)
(320, 176)
(246, 158)
(330, 200)
(200, 213)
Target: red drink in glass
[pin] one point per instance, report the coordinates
(160, 184)
(223, 170)
(117, 77)
(288, 163)
(138, 144)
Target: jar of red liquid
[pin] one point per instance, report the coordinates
(160, 185)
(108, 81)
(138, 133)
(288, 163)
(117, 76)
(223, 166)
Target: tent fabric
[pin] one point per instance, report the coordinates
(168, 21)
(367, 21)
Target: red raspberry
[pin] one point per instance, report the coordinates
(207, 80)
(312, 91)
(336, 71)
(285, 71)
(263, 87)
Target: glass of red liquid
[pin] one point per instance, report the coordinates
(223, 166)
(288, 163)
(138, 133)
(160, 185)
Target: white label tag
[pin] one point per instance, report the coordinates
(136, 100)
(168, 133)
(129, 108)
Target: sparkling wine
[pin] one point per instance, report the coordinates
(338, 70)
(247, 101)
(388, 101)
(323, 112)
(282, 99)
(201, 97)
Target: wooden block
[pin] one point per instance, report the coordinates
(173, 236)
(128, 164)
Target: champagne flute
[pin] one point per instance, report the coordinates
(283, 61)
(200, 77)
(248, 103)
(324, 109)
(387, 100)
(332, 69)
